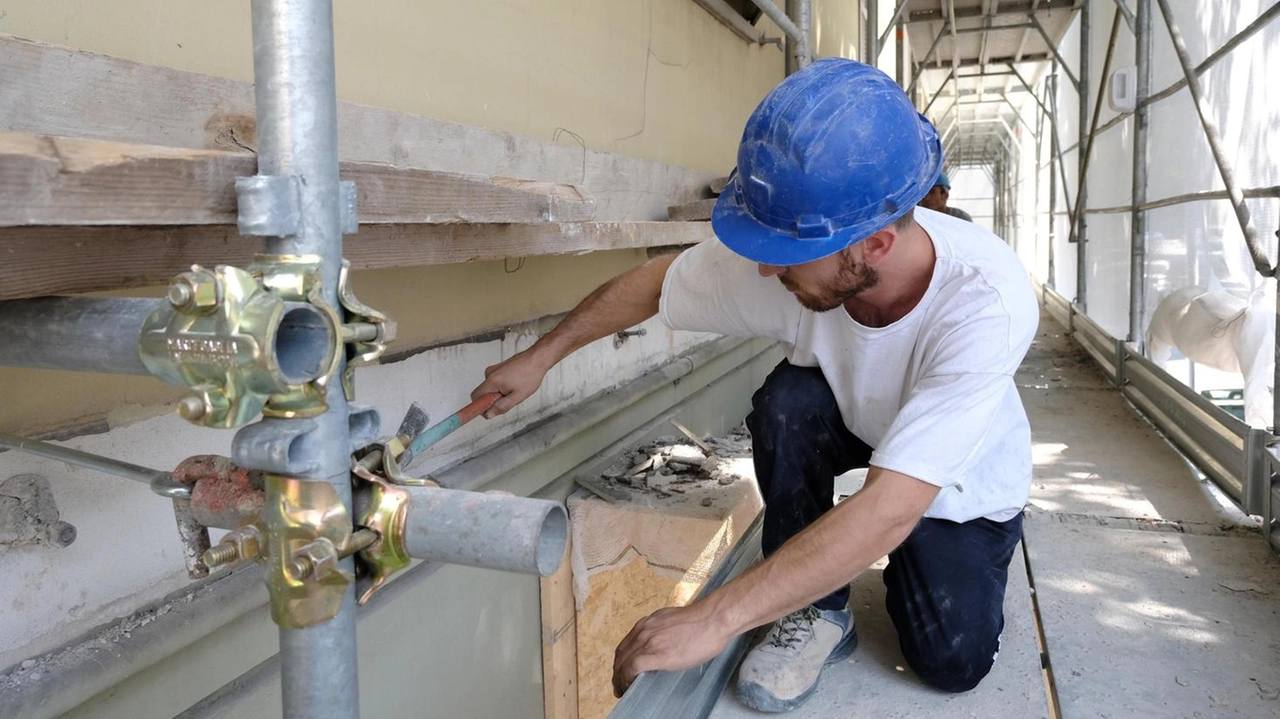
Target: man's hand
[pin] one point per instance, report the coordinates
(669, 639)
(515, 378)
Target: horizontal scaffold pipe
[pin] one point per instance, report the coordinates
(486, 530)
(1262, 21)
(1252, 193)
(74, 333)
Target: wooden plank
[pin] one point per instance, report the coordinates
(46, 180)
(62, 91)
(654, 550)
(697, 211)
(38, 261)
(559, 644)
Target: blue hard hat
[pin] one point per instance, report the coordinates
(832, 154)
(943, 180)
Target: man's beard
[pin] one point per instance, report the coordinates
(852, 278)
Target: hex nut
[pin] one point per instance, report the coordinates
(247, 541)
(180, 294)
(199, 290)
(192, 408)
(320, 558)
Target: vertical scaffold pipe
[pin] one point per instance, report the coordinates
(1080, 228)
(293, 69)
(82, 334)
(1138, 221)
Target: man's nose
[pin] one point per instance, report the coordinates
(770, 270)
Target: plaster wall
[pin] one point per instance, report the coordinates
(835, 28)
(659, 80)
(128, 554)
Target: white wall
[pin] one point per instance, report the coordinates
(1192, 243)
(128, 553)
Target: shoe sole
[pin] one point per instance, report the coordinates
(757, 697)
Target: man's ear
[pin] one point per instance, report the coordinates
(876, 247)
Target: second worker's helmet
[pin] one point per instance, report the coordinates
(832, 154)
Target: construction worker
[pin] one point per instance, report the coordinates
(902, 331)
(938, 195)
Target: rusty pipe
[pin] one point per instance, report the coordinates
(223, 494)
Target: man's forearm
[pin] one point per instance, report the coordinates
(827, 554)
(625, 301)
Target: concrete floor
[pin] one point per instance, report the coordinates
(1155, 600)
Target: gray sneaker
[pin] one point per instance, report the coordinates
(781, 673)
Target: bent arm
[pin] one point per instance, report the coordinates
(829, 553)
(624, 301)
(826, 555)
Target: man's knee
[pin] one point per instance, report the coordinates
(955, 670)
(788, 394)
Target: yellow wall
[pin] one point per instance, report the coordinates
(659, 79)
(836, 26)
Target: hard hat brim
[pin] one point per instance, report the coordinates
(758, 242)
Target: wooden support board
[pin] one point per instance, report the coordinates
(46, 180)
(699, 210)
(38, 261)
(636, 556)
(63, 91)
(559, 644)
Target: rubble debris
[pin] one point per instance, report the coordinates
(678, 467)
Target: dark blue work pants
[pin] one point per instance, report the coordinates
(945, 583)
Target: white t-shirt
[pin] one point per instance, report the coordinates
(932, 393)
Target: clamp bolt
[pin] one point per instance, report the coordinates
(191, 408)
(239, 545)
(180, 294)
(218, 555)
(198, 291)
(316, 560)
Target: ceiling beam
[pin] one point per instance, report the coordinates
(988, 29)
(1006, 8)
(973, 62)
